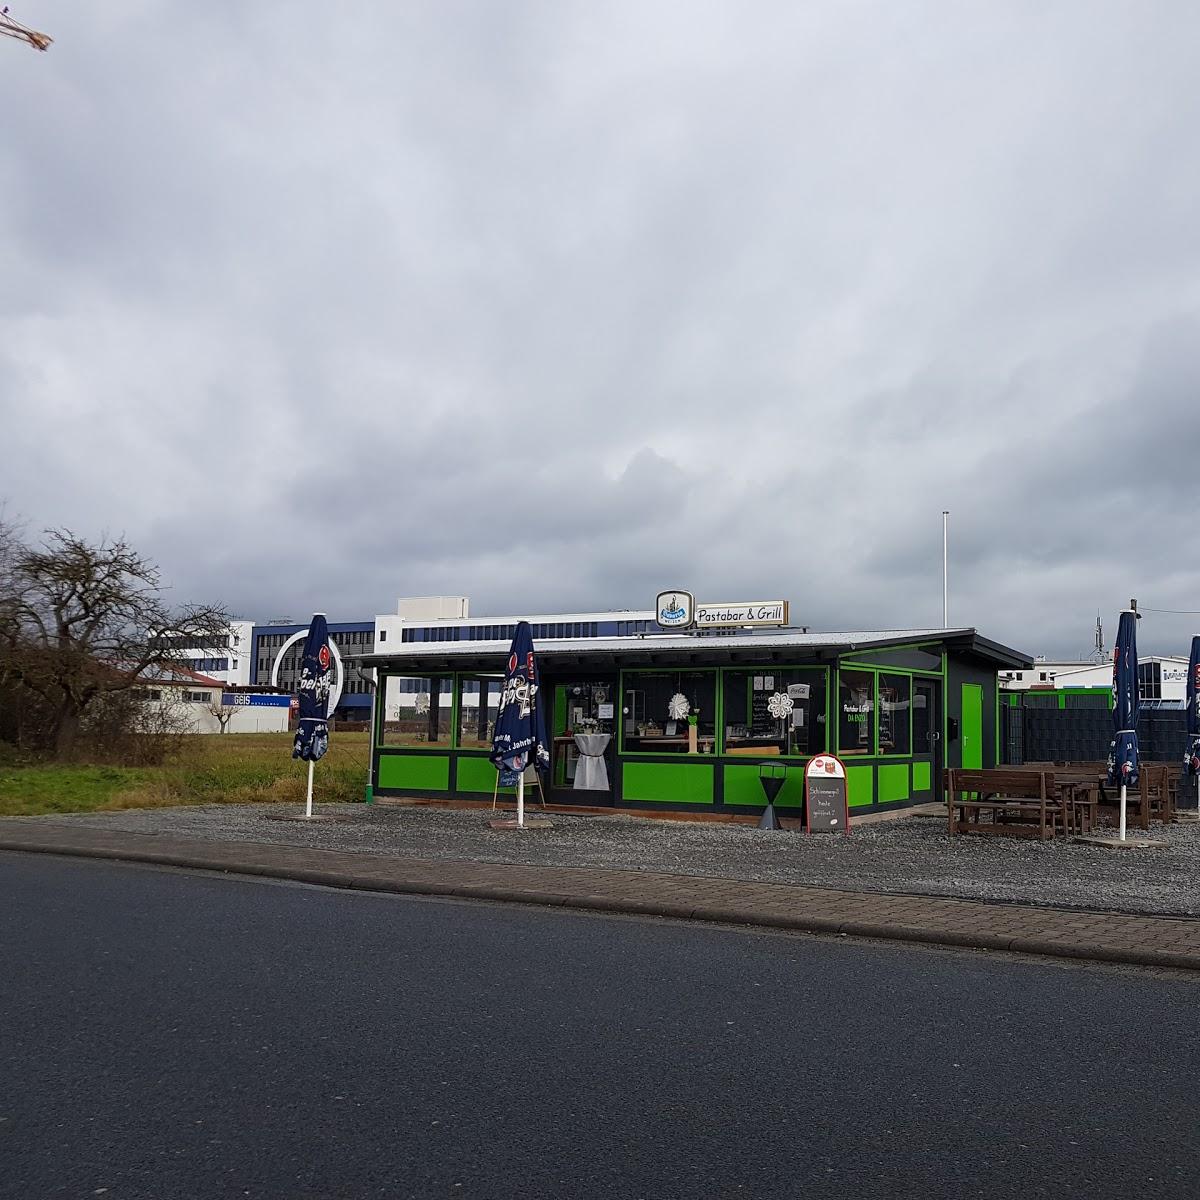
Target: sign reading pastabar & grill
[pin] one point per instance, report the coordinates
(826, 803)
(741, 613)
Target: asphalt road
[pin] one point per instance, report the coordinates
(169, 1035)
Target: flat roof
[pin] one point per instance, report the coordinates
(675, 649)
(612, 614)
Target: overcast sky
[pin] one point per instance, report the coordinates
(554, 304)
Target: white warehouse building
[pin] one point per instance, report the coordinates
(1160, 677)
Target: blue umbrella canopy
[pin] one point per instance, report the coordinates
(1191, 756)
(520, 732)
(312, 735)
(1123, 753)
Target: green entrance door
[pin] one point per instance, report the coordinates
(972, 726)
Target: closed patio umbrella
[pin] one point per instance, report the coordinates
(1191, 753)
(519, 737)
(312, 733)
(1123, 753)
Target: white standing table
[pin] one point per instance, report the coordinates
(591, 775)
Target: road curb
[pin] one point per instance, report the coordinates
(724, 914)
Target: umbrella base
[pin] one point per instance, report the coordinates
(1115, 843)
(769, 820)
(322, 818)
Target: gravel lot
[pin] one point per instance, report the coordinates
(907, 855)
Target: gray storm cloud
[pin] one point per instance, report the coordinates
(556, 304)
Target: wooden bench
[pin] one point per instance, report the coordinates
(1155, 780)
(1140, 802)
(1020, 803)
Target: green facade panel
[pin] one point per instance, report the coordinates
(922, 777)
(893, 782)
(860, 785)
(667, 783)
(474, 774)
(742, 786)
(423, 772)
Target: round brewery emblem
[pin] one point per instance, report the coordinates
(512, 663)
(323, 658)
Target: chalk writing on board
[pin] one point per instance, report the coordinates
(825, 798)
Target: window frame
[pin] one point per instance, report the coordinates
(879, 752)
(718, 705)
(877, 670)
(777, 668)
(872, 750)
(381, 742)
(461, 677)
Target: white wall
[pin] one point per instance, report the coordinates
(432, 608)
(239, 653)
(197, 718)
(246, 719)
(390, 625)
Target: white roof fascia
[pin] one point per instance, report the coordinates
(673, 641)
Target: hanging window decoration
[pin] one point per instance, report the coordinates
(780, 705)
(678, 707)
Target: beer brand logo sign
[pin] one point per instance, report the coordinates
(520, 686)
(675, 610)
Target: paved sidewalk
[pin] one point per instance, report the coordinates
(1028, 929)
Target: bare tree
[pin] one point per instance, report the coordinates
(80, 621)
(223, 713)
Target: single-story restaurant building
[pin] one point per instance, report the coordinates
(684, 721)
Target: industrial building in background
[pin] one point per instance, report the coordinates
(1162, 679)
(275, 648)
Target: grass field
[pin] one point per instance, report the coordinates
(234, 768)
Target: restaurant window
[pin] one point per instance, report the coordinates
(775, 711)
(478, 703)
(922, 723)
(895, 709)
(660, 709)
(422, 714)
(856, 712)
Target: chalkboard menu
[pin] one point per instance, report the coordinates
(826, 807)
(762, 724)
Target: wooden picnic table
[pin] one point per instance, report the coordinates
(1020, 803)
(1154, 797)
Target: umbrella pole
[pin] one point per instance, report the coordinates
(1122, 812)
(521, 797)
(308, 807)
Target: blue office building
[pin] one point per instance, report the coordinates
(420, 619)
